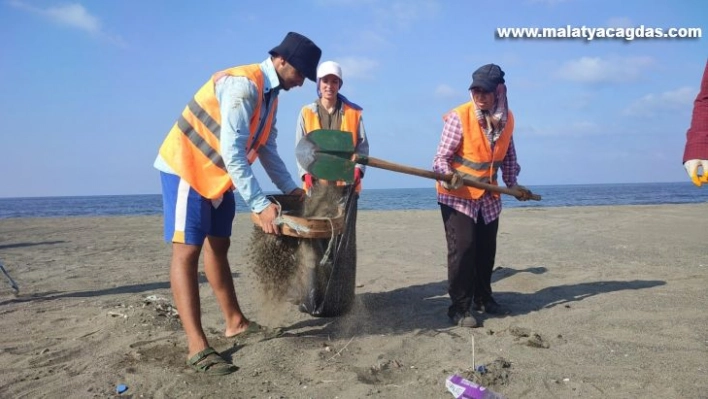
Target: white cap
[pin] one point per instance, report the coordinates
(329, 68)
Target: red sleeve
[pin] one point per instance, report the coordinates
(697, 134)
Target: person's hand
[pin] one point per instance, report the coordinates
(307, 178)
(454, 183)
(267, 219)
(357, 176)
(692, 169)
(524, 193)
(300, 193)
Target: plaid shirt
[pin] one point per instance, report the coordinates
(697, 135)
(489, 205)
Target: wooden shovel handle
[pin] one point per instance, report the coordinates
(380, 163)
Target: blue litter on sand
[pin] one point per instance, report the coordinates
(121, 388)
(481, 369)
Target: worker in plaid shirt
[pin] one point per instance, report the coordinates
(476, 141)
(696, 152)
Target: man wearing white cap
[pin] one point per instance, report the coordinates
(332, 111)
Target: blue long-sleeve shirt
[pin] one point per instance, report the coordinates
(237, 98)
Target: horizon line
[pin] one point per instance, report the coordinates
(363, 190)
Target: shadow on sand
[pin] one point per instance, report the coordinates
(423, 308)
(29, 244)
(125, 289)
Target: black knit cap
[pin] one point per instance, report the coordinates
(300, 52)
(487, 77)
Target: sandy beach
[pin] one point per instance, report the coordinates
(607, 302)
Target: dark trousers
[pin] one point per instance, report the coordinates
(471, 248)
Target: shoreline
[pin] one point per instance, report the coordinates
(616, 295)
(505, 209)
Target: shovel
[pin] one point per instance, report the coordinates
(330, 155)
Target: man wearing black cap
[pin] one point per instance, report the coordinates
(207, 155)
(476, 140)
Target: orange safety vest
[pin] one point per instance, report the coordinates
(474, 159)
(350, 124)
(192, 147)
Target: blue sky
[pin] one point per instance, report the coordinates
(91, 88)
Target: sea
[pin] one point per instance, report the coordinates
(373, 199)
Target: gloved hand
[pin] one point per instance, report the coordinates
(525, 192)
(692, 169)
(453, 184)
(300, 193)
(307, 178)
(357, 176)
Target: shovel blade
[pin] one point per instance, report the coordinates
(332, 167)
(326, 154)
(335, 141)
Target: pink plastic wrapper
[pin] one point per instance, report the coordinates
(462, 388)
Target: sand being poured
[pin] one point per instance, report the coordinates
(285, 266)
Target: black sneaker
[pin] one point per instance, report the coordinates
(463, 320)
(492, 307)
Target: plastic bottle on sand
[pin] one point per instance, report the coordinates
(462, 388)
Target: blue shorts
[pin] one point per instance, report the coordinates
(189, 217)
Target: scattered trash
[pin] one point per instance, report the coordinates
(533, 340)
(493, 374)
(519, 332)
(462, 388)
(121, 388)
(163, 307)
(155, 298)
(116, 314)
(537, 341)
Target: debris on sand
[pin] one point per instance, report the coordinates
(493, 374)
(532, 339)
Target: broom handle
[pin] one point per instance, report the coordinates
(381, 164)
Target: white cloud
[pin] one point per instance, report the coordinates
(548, 2)
(619, 22)
(574, 129)
(404, 14)
(372, 40)
(604, 70)
(445, 91)
(409, 12)
(72, 15)
(680, 99)
(357, 67)
(327, 3)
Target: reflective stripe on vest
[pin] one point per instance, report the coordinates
(474, 159)
(350, 124)
(193, 146)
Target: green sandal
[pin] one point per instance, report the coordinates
(257, 329)
(210, 362)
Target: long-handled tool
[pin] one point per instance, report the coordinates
(13, 284)
(330, 155)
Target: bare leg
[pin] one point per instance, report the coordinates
(185, 290)
(218, 272)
